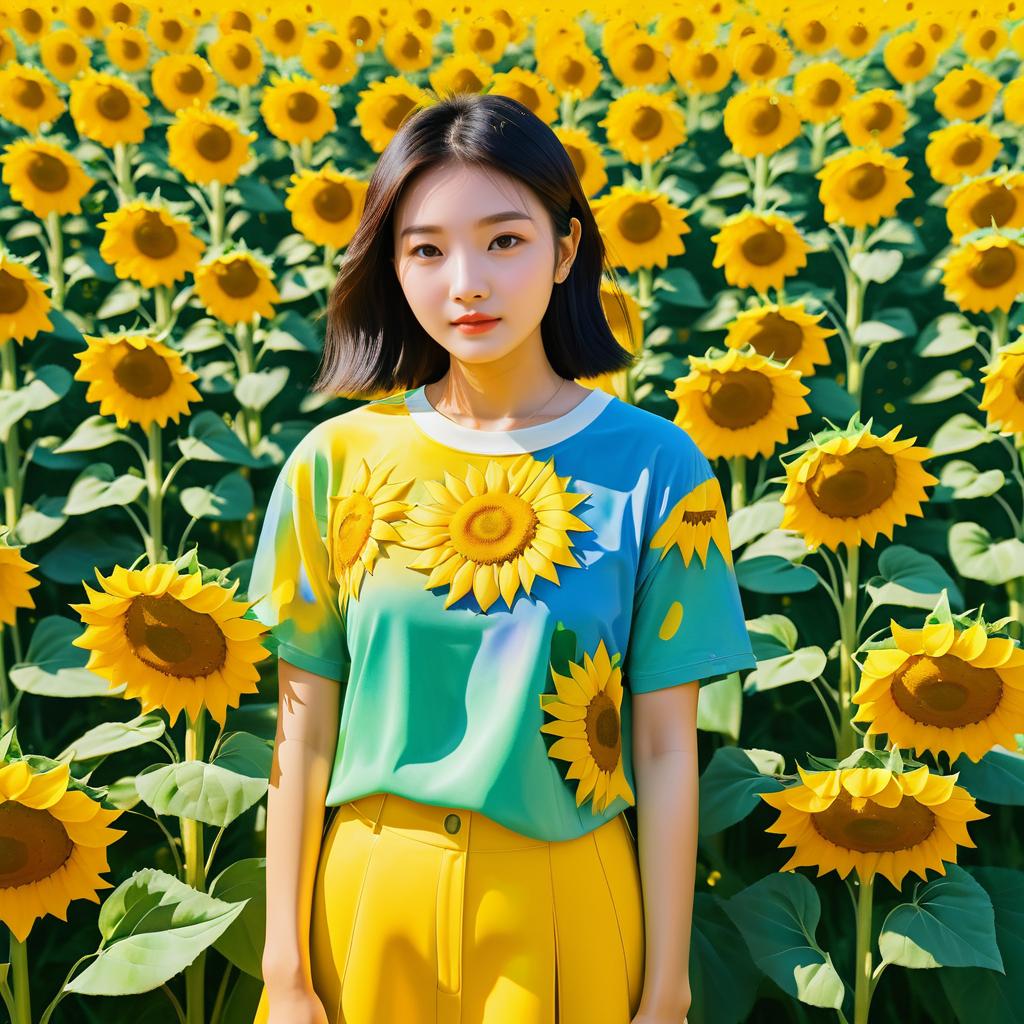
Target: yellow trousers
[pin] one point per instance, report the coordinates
(438, 915)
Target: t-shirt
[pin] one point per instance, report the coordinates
(492, 600)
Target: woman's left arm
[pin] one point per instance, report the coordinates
(665, 772)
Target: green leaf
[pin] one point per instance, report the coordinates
(720, 706)
(153, 927)
(942, 387)
(966, 481)
(978, 557)
(242, 942)
(879, 266)
(298, 328)
(229, 500)
(75, 556)
(258, 390)
(112, 737)
(678, 286)
(92, 433)
(203, 336)
(49, 385)
(96, 487)
(911, 579)
(258, 196)
(960, 433)
(799, 666)
(39, 521)
(125, 297)
(731, 783)
(54, 668)
(946, 335)
(998, 778)
(210, 439)
(768, 574)
(723, 981)
(887, 325)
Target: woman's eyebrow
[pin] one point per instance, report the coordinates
(491, 218)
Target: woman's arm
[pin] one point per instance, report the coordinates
(665, 771)
(307, 735)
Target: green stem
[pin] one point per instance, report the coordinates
(245, 104)
(738, 473)
(162, 299)
(567, 113)
(154, 488)
(20, 981)
(760, 182)
(56, 236)
(6, 704)
(1000, 332)
(855, 288)
(862, 995)
(849, 643)
(219, 213)
(694, 105)
(222, 991)
(195, 874)
(123, 172)
(12, 446)
(247, 364)
(817, 145)
(1014, 589)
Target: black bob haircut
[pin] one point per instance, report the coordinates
(373, 341)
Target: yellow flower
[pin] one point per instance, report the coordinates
(31, 20)
(782, 332)
(990, 200)
(494, 532)
(148, 243)
(875, 116)
(235, 287)
(24, 303)
(622, 312)
(860, 187)
(965, 93)
(739, 404)
(821, 91)
(961, 150)
(84, 19)
(944, 689)
(358, 22)
(849, 486)
(856, 34)
(809, 32)
(587, 720)
(909, 56)
(237, 57)
(63, 54)
(702, 68)
(171, 32)
(760, 120)
(171, 640)
(15, 583)
(530, 89)
(127, 48)
(641, 123)
(984, 273)
(678, 28)
(27, 97)
(1002, 400)
(108, 109)
(383, 106)
(182, 79)
(877, 821)
(696, 521)
(985, 39)
(326, 205)
(640, 228)
(761, 56)
(297, 109)
(55, 841)
(283, 32)
(207, 146)
(329, 58)
(408, 48)
(587, 157)
(44, 178)
(759, 250)
(571, 68)
(1013, 101)
(485, 35)
(637, 58)
(460, 72)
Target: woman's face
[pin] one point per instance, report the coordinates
(451, 260)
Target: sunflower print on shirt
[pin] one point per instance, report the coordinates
(695, 521)
(495, 531)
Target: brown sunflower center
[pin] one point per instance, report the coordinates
(189, 81)
(464, 80)
(966, 151)
(857, 35)
(31, 20)
(237, 278)
(640, 223)
(33, 844)
(240, 57)
(570, 70)
(914, 57)
(239, 21)
(814, 32)
(284, 30)
(763, 116)
(493, 527)
(968, 94)
(647, 123)
(826, 92)
(604, 733)
(398, 110)
(865, 182)
(762, 58)
(738, 399)
(121, 13)
(85, 17)
(683, 29)
(28, 93)
(329, 55)
(66, 54)
(998, 204)
(130, 49)
(643, 57)
(483, 40)
(987, 39)
(874, 829)
(946, 691)
(153, 238)
(13, 292)
(213, 143)
(359, 29)
(173, 30)
(993, 267)
(526, 95)
(332, 202)
(853, 485)
(47, 172)
(302, 107)
(171, 638)
(354, 522)
(706, 66)
(142, 372)
(878, 116)
(411, 46)
(764, 246)
(113, 104)
(777, 337)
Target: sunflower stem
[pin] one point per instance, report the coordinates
(247, 364)
(218, 211)
(817, 146)
(222, 991)
(162, 300)
(1000, 332)
(123, 173)
(56, 254)
(154, 479)
(862, 995)
(760, 182)
(245, 104)
(738, 474)
(12, 447)
(694, 103)
(62, 991)
(195, 874)
(847, 670)
(855, 288)
(567, 113)
(19, 982)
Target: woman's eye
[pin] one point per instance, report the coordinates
(426, 245)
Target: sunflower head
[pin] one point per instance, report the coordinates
(910, 56)
(24, 304)
(183, 79)
(966, 92)
(1003, 397)
(127, 47)
(640, 227)
(16, 581)
(877, 115)
(237, 286)
(329, 58)
(237, 57)
(206, 146)
(459, 73)
(297, 109)
(860, 187)
(27, 97)
(326, 205)
(44, 177)
(821, 91)
(701, 67)
(108, 109)
(643, 124)
(383, 106)
(985, 272)
(787, 333)
(987, 201)
(961, 150)
(760, 121)
(759, 250)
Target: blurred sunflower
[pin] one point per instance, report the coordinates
(63, 54)
(739, 404)
(359, 23)
(460, 72)
(329, 58)
(943, 689)
(180, 80)
(206, 146)
(940, 28)
(808, 32)
(875, 820)
(144, 241)
(783, 332)
(587, 157)
(965, 93)
(84, 19)
(127, 48)
(857, 33)
(297, 109)
(24, 303)
(759, 250)
(627, 327)
(1016, 39)
(909, 56)
(15, 582)
(107, 109)
(137, 379)
(985, 39)
(637, 58)
(821, 91)
(530, 89)
(874, 116)
(236, 286)
(408, 48)
(983, 274)
(570, 68)
(28, 98)
(961, 150)
(484, 35)
(237, 57)
(640, 227)
(678, 28)
(326, 205)
(862, 186)
(55, 842)
(383, 106)
(172, 33)
(759, 120)
(641, 123)
(701, 68)
(7, 50)
(175, 642)
(1013, 101)
(990, 200)
(762, 56)
(586, 713)
(121, 12)
(283, 32)
(44, 178)
(1002, 399)
(850, 485)
(31, 20)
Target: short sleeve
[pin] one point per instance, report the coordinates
(688, 622)
(291, 582)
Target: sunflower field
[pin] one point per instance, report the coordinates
(816, 215)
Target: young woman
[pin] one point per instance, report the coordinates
(513, 582)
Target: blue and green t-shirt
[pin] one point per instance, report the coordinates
(491, 600)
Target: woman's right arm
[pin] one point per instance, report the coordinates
(307, 736)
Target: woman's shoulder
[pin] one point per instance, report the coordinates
(661, 443)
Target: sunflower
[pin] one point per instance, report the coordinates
(408, 48)
(484, 35)
(44, 178)
(965, 93)
(821, 91)
(739, 404)
(587, 157)
(875, 116)
(236, 286)
(326, 205)
(627, 327)
(172, 33)
(63, 54)
(283, 33)
(496, 531)
(108, 109)
(701, 68)
(234, 19)
(460, 72)
(237, 57)
(850, 485)
(985, 39)
(640, 227)
(27, 97)
(15, 583)
(297, 109)
(586, 717)
(180, 80)
(958, 691)
(84, 19)
(940, 28)
(860, 187)
(171, 640)
(986, 201)
(8, 53)
(909, 56)
(696, 521)
(759, 120)
(641, 123)
(530, 89)
(961, 150)
(761, 56)
(571, 68)
(759, 250)
(984, 273)
(127, 48)
(808, 32)
(359, 24)
(146, 242)
(24, 304)
(329, 58)
(31, 21)
(638, 59)
(121, 12)
(383, 106)
(856, 35)
(877, 820)
(1002, 399)
(783, 333)
(681, 28)
(55, 841)
(207, 146)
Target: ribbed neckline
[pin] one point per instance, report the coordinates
(503, 442)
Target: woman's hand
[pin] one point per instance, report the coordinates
(295, 1004)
